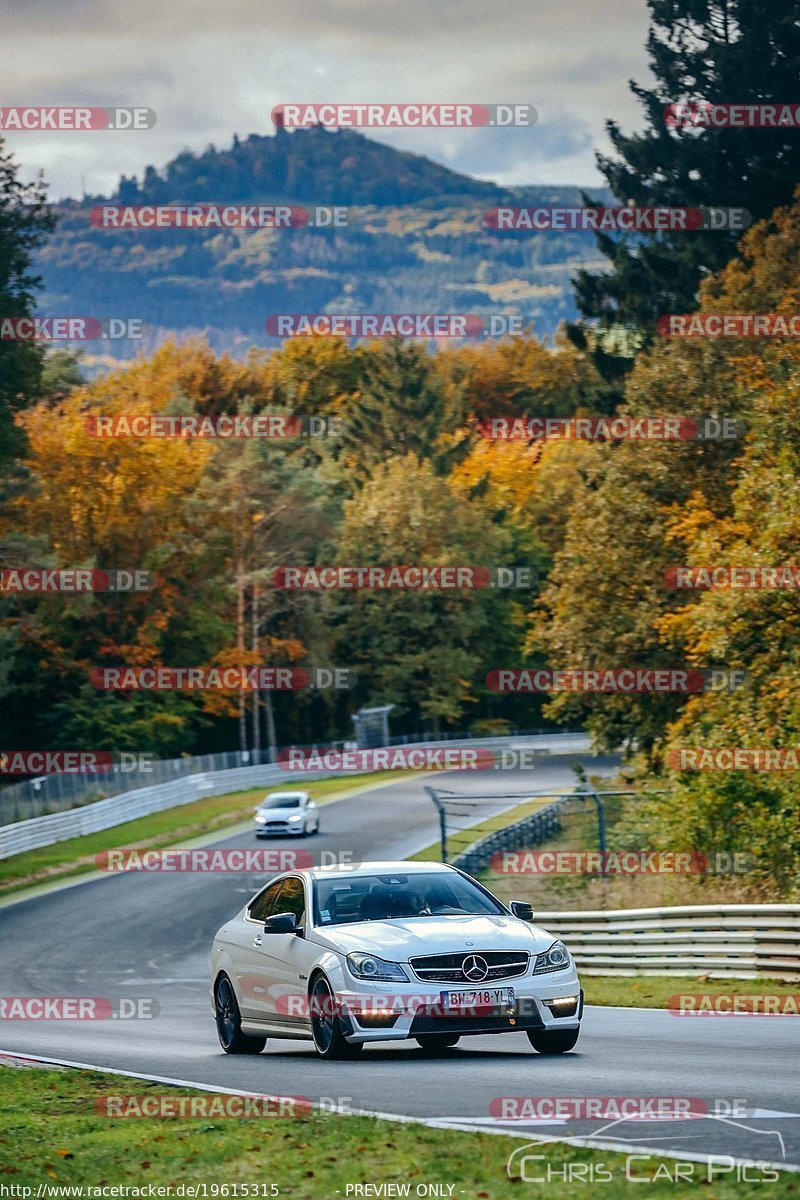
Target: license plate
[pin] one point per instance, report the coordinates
(478, 998)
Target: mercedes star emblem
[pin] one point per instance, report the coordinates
(475, 968)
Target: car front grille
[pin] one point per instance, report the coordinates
(448, 968)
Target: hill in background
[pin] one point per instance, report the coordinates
(416, 242)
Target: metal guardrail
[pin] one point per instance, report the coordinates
(528, 832)
(117, 810)
(105, 814)
(60, 792)
(736, 941)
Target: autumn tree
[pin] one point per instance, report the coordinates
(426, 651)
(606, 596)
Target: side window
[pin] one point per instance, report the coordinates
(261, 907)
(292, 899)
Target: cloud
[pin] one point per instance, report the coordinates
(211, 70)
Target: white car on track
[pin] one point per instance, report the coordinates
(282, 814)
(348, 955)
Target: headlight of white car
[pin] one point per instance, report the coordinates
(261, 820)
(297, 817)
(367, 966)
(554, 959)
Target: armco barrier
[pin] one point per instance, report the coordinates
(46, 794)
(105, 814)
(736, 941)
(535, 828)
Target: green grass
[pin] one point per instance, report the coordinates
(570, 892)
(53, 1134)
(645, 991)
(158, 830)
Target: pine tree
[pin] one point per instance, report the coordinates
(720, 52)
(24, 223)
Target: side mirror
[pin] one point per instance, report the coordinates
(521, 909)
(281, 923)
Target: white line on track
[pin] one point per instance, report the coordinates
(460, 1124)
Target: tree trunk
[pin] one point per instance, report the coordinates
(256, 691)
(240, 645)
(269, 717)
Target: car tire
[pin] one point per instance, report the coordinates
(326, 1027)
(229, 1022)
(437, 1043)
(553, 1041)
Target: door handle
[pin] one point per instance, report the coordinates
(257, 940)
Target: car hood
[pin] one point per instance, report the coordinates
(405, 937)
(280, 813)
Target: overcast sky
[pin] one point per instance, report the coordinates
(212, 69)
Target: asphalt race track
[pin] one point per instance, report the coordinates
(149, 935)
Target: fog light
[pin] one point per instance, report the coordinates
(375, 1020)
(563, 1006)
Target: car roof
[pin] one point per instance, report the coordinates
(284, 795)
(377, 868)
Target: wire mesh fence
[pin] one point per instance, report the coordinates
(491, 836)
(60, 792)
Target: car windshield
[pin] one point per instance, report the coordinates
(282, 802)
(385, 897)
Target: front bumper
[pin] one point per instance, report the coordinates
(388, 1012)
(262, 831)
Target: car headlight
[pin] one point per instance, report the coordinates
(261, 820)
(367, 966)
(297, 817)
(554, 959)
